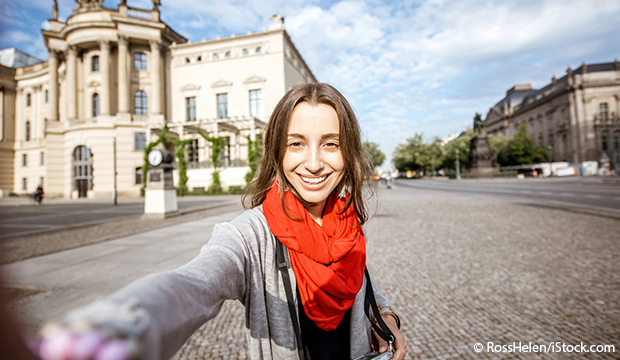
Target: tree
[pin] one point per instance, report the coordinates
(497, 143)
(217, 145)
(521, 150)
(462, 144)
(253, 157)
(376, 156)
(407, 156)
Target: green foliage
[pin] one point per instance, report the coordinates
(179, 153)
(521, 150)
(462, 144)
(376, 156)
(216, 185)
(417, 155)
(235, 190)
(497, 143)
(253, 157)
(217, 145)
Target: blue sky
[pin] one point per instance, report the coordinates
(406, 66)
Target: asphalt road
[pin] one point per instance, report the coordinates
(588, 192)
(26, 219)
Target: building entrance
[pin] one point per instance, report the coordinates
(82, 170)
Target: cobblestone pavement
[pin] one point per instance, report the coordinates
(467, 269)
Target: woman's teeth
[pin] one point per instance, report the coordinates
(314, 180)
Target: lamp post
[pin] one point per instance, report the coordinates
(550, 148)
(458, 169)
(115, 195)
(433, 158)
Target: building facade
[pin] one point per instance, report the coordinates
(114, 78)
(576, 117)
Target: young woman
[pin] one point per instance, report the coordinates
(308, 196)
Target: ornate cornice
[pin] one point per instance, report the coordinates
(123, 40)
(104, 44)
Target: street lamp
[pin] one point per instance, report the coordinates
(433, 158)
(458, 169)
(550, 148)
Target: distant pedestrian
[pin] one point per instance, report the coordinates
(307, 208)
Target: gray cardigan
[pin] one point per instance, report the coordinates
(238, 262)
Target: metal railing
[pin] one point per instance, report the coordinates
(139, 13)
(83, 121)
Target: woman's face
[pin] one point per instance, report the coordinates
(313, 163)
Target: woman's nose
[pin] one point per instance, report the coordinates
(314, 162)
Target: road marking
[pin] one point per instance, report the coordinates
(567, 194)
(545, 193)
(593, 196)
(525, 192)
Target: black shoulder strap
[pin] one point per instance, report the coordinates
(281, 261)
(383, 330)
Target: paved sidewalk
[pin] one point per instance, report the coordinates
(460, 269)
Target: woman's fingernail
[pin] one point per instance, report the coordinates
(57, 346)
(87, 344)
(114, 350)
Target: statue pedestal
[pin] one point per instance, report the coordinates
(160, 196)
(481, 155)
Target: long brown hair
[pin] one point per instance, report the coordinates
(270, 166)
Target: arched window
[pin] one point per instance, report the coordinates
(94, 63)
(95, 105)
(28, 99)
(27, 130)
(245, 51)
(228, 54)
(139, 61)
(604, 139)
(216, 56)
(258, 50)
(141, 103)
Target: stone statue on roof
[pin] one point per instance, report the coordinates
(156, 5)
(55, 10)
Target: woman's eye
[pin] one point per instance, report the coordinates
(331, 145)
(295, 144)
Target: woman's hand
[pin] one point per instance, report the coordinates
(400, 345)
(62, 343)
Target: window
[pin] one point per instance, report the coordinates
(94, 63)
(199, 58)
(46, 96)
(617, 150)
(41, 181)
(256, 103)
(604, 108)
(27, 130)
(190, 105)
(245, 51)
(222, 105)
(24, 159)
(95, 105)
(216, 56)
(192, 151)
(187, 60)
(24, 184)
(139, 61)
(227, 54)
(258, 50)
(141, 103)
(138, 175)
(42, 159)
(564, 144)
(604, 139)
(139, 141)
(28, 99)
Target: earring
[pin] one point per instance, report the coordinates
(280, 186)
(343, 192)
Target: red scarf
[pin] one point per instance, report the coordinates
(328, 260)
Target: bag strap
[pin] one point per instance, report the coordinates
(382, 330)
(281, 261)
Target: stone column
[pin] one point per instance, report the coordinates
(71, 57)
(123, 75)
(53, 85)
(104, 68)
(155, 77)
(252, 130)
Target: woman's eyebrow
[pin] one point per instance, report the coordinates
(334, 136)
(294, 135)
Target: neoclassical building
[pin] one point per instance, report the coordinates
(576, 117)
(114, 78)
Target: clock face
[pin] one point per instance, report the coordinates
(155, 157)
